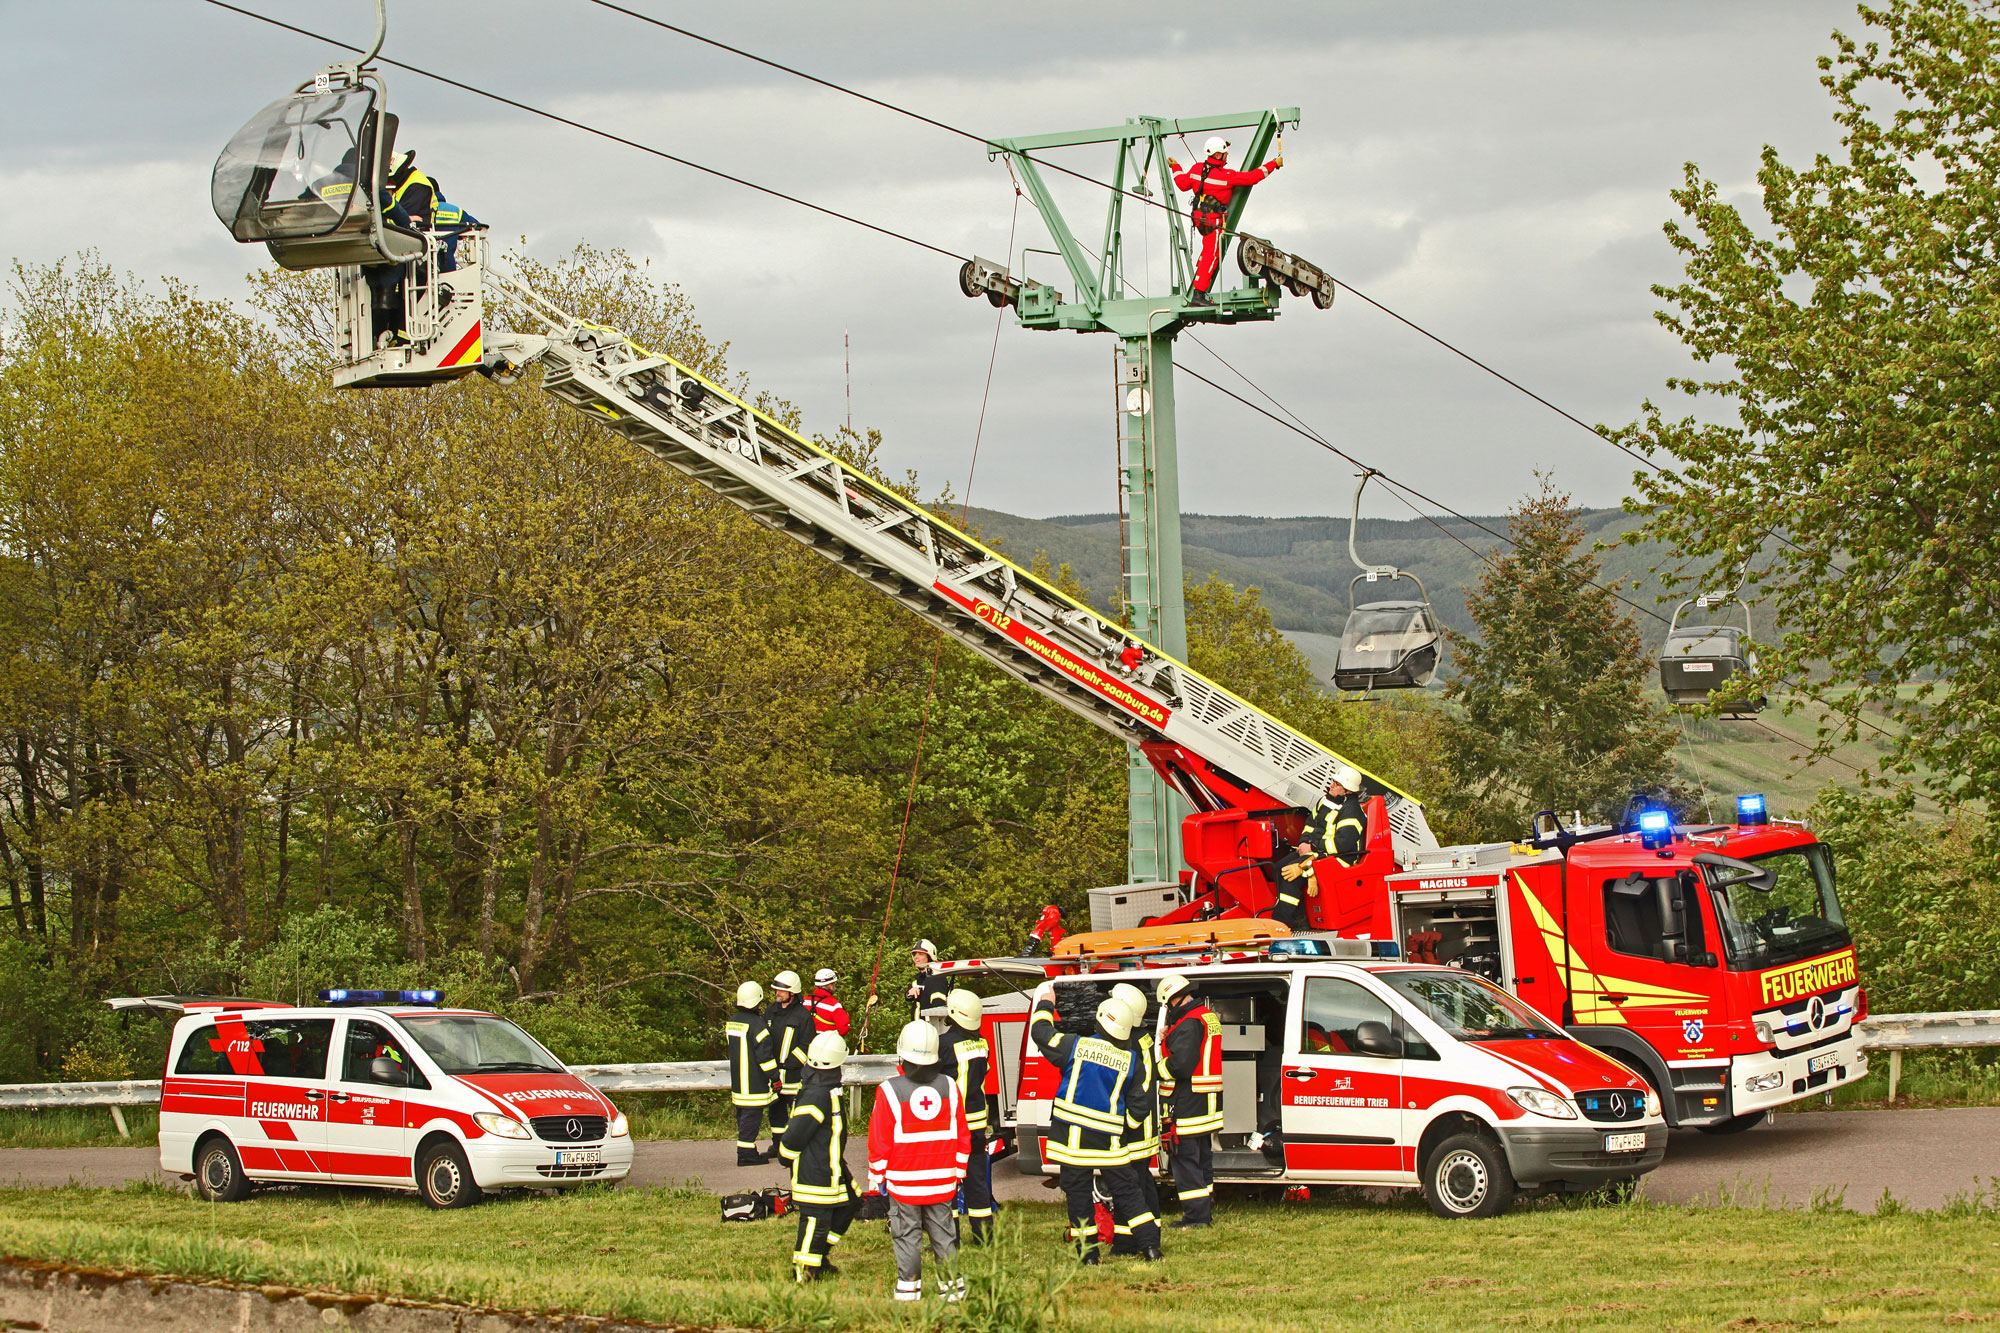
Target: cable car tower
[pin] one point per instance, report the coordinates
(1146, 326)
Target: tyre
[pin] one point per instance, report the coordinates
(443, 1178)
(218, 1172)
(1467, 1176)
(1736, 1124)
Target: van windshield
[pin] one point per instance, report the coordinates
(1470, 1008)
(479, 1044)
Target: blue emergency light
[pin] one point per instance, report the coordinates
(380, 997)
(1300, 949)
(1656, 829)
(1750, 809)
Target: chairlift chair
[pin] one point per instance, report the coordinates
(306, 176)
(1387, 645)
(1697, 660)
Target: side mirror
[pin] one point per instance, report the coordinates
(1705, 959)
(1373, 1037)
(384, 1070)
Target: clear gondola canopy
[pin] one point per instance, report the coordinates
(1387, 645)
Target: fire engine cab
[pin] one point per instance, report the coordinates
(375, 1088)
(1343, 1068)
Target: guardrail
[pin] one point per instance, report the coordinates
(1894, 1033)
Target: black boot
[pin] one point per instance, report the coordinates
(1153, 1255)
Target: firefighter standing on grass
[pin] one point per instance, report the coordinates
(1087, 1121)
(791, 1024)
(815, 1143)
(917, 1141)
(1142, 1122)
(1212, 182)
(1191, 1058)
(965, 1055)
(752, 1065)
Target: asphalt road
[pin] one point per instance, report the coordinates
(1923, 1158)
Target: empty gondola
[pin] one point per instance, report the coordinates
(1698, 660)
(1387, 645)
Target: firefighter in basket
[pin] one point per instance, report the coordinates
(1212, 182)
(1336, 827)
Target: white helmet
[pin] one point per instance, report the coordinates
(828, 1051)
(786, 981)
(749, 995)
(927, 947)
(917, 1044)
(1348, 776)
(826, 976)
(1115, 1019)
(965, 1009)
(1171, 985)
(1216, 144)
(1133, 999)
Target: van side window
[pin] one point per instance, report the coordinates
(365, 1042)
(269, 1048)
(1334, 1008)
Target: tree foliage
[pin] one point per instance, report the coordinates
(1555, 710)
(1851, 323)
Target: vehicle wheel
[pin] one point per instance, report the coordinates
(1467, 1176)
(1736, 1124)
(218, 1173)
(443, 1178)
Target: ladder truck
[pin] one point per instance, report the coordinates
(1712, 960)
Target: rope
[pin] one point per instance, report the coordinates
(937, 656)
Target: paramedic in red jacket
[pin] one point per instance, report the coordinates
(1212, 182)
(917, 1145)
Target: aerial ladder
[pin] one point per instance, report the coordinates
(306, 176)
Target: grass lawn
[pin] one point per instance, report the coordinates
(1330, 1264)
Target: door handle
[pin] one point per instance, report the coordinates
(1302, 1075)
(314, 1094)
(338, 1096)
(1617, 999)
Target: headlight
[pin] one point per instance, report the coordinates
(505, 1126)
(619, 1127)
(1762, 1029)
(1764, 1082)
(1542, 1103)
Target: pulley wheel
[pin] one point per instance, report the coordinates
(1323, 294)
(1250, 258)
(967, 280)
(996, 299)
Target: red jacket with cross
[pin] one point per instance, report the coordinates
(918, 1139)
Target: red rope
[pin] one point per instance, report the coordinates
(937, 654)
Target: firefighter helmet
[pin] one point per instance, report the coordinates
(926, 947)
(1171, 985)
(917, 1043)
(828, 1051)
(749, 995)
(1216, 144)
(786, 981)
(1348, 776)
(965, 1009)
(826, 976)
(1133, 999)
(1115, 1019)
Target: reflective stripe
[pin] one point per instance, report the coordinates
(819, 1193)
(804, 1254)
(752, 1098)
(1204, 1192)
(1207, 1123)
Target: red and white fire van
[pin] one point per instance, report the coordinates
(376, 1088)
(1361, 1072)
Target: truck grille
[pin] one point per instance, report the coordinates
(1612, 1104)
(570, 1172)
(568, 1128)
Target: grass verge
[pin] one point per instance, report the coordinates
(663, 1255)
(79, 1127)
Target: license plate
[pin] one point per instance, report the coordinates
(1819, 1062)
(580, 1157)
(1624, 1142)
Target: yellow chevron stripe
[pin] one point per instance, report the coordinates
(1587, 988)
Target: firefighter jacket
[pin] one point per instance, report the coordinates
(1192, 1061)
(966, 1057)
(829, 1015)
(1338, 828)
(416, 194)
(791, 1032)
(815, 1142)
(931, 990)
(917, 1138)
(1087, 1122)
(1213, 183)
(751, 1062)
(1142, 1098)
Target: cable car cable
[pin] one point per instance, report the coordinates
(592, 129)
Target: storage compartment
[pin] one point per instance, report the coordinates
(1239, 1096)
(1242, 1037)
(1123, 906)
(1462, 930)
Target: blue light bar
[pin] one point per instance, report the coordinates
(1656, 829)
(380, 997)
(1300, 949)
(1750, 809)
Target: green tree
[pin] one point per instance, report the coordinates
(1555, 710)
(1852, 323)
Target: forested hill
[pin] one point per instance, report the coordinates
(1302, 564)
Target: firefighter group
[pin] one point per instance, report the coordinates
(929, 1142)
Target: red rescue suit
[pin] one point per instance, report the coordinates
(1212, 183)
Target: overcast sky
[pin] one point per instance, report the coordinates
(1498, 172)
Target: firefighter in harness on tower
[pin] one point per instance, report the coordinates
(1213, 182)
